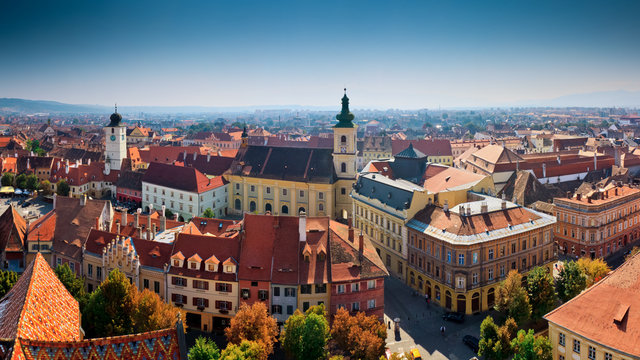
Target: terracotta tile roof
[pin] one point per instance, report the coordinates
(161, 344)
(207, 164)
(449, 178)
(346, 262)
(128, 229)
(495, 154)
(216, 227)
(257, 247)
(73, 224)
(607, 313)
(205, 246)
(181, 178)
(39, 307)
(43, 228)
(12, 231)
(316, 271)
(429, 147)
(166, 154)
(9, 164)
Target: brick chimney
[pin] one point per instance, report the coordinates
(97, 223)
(302, 226)
(163, 220)
(360, 243)
(125, 219)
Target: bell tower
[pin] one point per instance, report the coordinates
(115, 141)
(345, 151)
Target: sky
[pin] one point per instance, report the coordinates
(389, 54)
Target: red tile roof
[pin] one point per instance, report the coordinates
(150, 253)
(12, 231)
(39, 307)
(43, 228)
(429, 147)
(607, 313)
(316, 271)
(73, 223)
(166, 154)
(205, 246)
(346, 262)
(181, 178)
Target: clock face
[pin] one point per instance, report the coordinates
(113, 138)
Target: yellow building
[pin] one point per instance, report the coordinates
(290, 180)
(602, 321)
(458, 255)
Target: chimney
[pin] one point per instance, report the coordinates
(351, 234)
(302, 226)
(139, 232)
(595, 161)
(445, 207)
(153, 232)
(208, 157)
(117, 228)
(483, 207)
(544, 170)
(97, 223)
(184, 158)
(195, 154)
(175, 216)
(578, 196)
(55, 196)
(558, 159)
(219, 153)
(360, 243)
(616, 191)
(125, 218)
(136, 218)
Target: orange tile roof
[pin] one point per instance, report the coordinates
(43, 228)
(607, 313)
(39, 307)
(12, 231)
(450, 178)
(346, 264)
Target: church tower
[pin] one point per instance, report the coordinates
(345, 151)
(115, 141)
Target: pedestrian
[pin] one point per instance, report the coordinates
(426, 298)
(442, 329)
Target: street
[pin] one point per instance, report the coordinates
(37, 207)
(420, 325)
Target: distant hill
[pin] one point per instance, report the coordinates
(10, 105)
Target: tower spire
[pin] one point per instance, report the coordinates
(345, 117)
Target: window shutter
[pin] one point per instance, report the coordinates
(206, 285)
(229, 287)
(195, 301)
(195, 284)
(206, 302)
(174, 297)
(184, 299)
(217, 304)
(174, 280)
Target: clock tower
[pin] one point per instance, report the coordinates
(345, 151)
(115, 141)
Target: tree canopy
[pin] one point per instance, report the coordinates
(495, 342)
(7, 280)
(593, 269)
(62, 188)
(7, 179)
(208, 213)
(306, 335)
(204, 349)
(571, 281)
(253, 323)
(526, 346)
(246, 350)
(541, 291)
(359, 336)
(512, 298)
(73, 284)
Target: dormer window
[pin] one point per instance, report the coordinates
(229, 266)
(177, 259)
(306, 252)
(211, 264)
(322, 252)
(194, 262)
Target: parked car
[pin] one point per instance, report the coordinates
(472, 342)
(415, 354)
(454, 316)
(25, 204)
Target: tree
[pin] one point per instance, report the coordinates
(526, 346)
(359, 336)
(45, 187)
(594, 270)
(168, 214)
(541, 292)
(512, 298)
(204, 349)
(7, 280)
(571, 281)
(151, 313)
(74, 284)
(32, 182)
(495, 342)
(7, 179)
(62, 188)
(633, 251)
(306, 335)
(208, 213)
(110, 308)
(253, 323)
(21, 181)
(247, 350)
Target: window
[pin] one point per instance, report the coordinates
(449, 257)
(263, 295)
(490, 254)
(371, 284)
(355, 287)
(576, 346)
(371, 304)
(321, 195)
(475, 278)
(98, 271)
(289, 309)
(355, 306)
(320, 207)
(343, 191)
(291, 292)
(475, 257)
(301, 193)
(276, 309)
(245, 293)
(284, 192)
(156, 287)
(72, 266)
(90, 270)
(343, 167)
(490, 274)
(226, 287)
(460, 259)
(608, 356)
(145, 283)
(179, 281)
(321, 288)
(592, 353)
(340, 289)
(460, 282)
(268, 189)
(501, 270)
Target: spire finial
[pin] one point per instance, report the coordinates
(116, 106)
(345, 91)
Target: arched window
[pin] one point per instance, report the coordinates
(285, 209)
(252, 206)
(267, 207)
(343, 167)
(301, 210)
(238, 204)
(343, 140)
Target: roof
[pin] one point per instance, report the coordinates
(608, 312)
(205, 246)
(410, 153)
(207, 164)
(346, 262)
(150, 253)
(428, 147)
(316, 271)
(396, 194)
(39, 307)
(495, 154)
(258, 247)
(73, 223)
(43, 228)
(450, 178)
(12, 231)
(130, 180)
(286, 163)
(217, 227)
(166, 154)
(181, 178)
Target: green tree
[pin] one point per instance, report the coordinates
(168, 214)
(62, 188)
(526, 346)
(571, 281)
(306, 335)
(541, 291)
(633, 251)
(204, 349)
(512, 298)
(45, 187)
(593, 269)
(110, 308)
(494, 341)
(247, 350)
(74, 284)
(7, 280)
(32, 182)
(208, 213)
(21, 181)
(7, 179)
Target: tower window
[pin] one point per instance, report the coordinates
(343, 139)
(343, 167)
(113, 130)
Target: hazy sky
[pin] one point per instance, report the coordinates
(400, 54)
